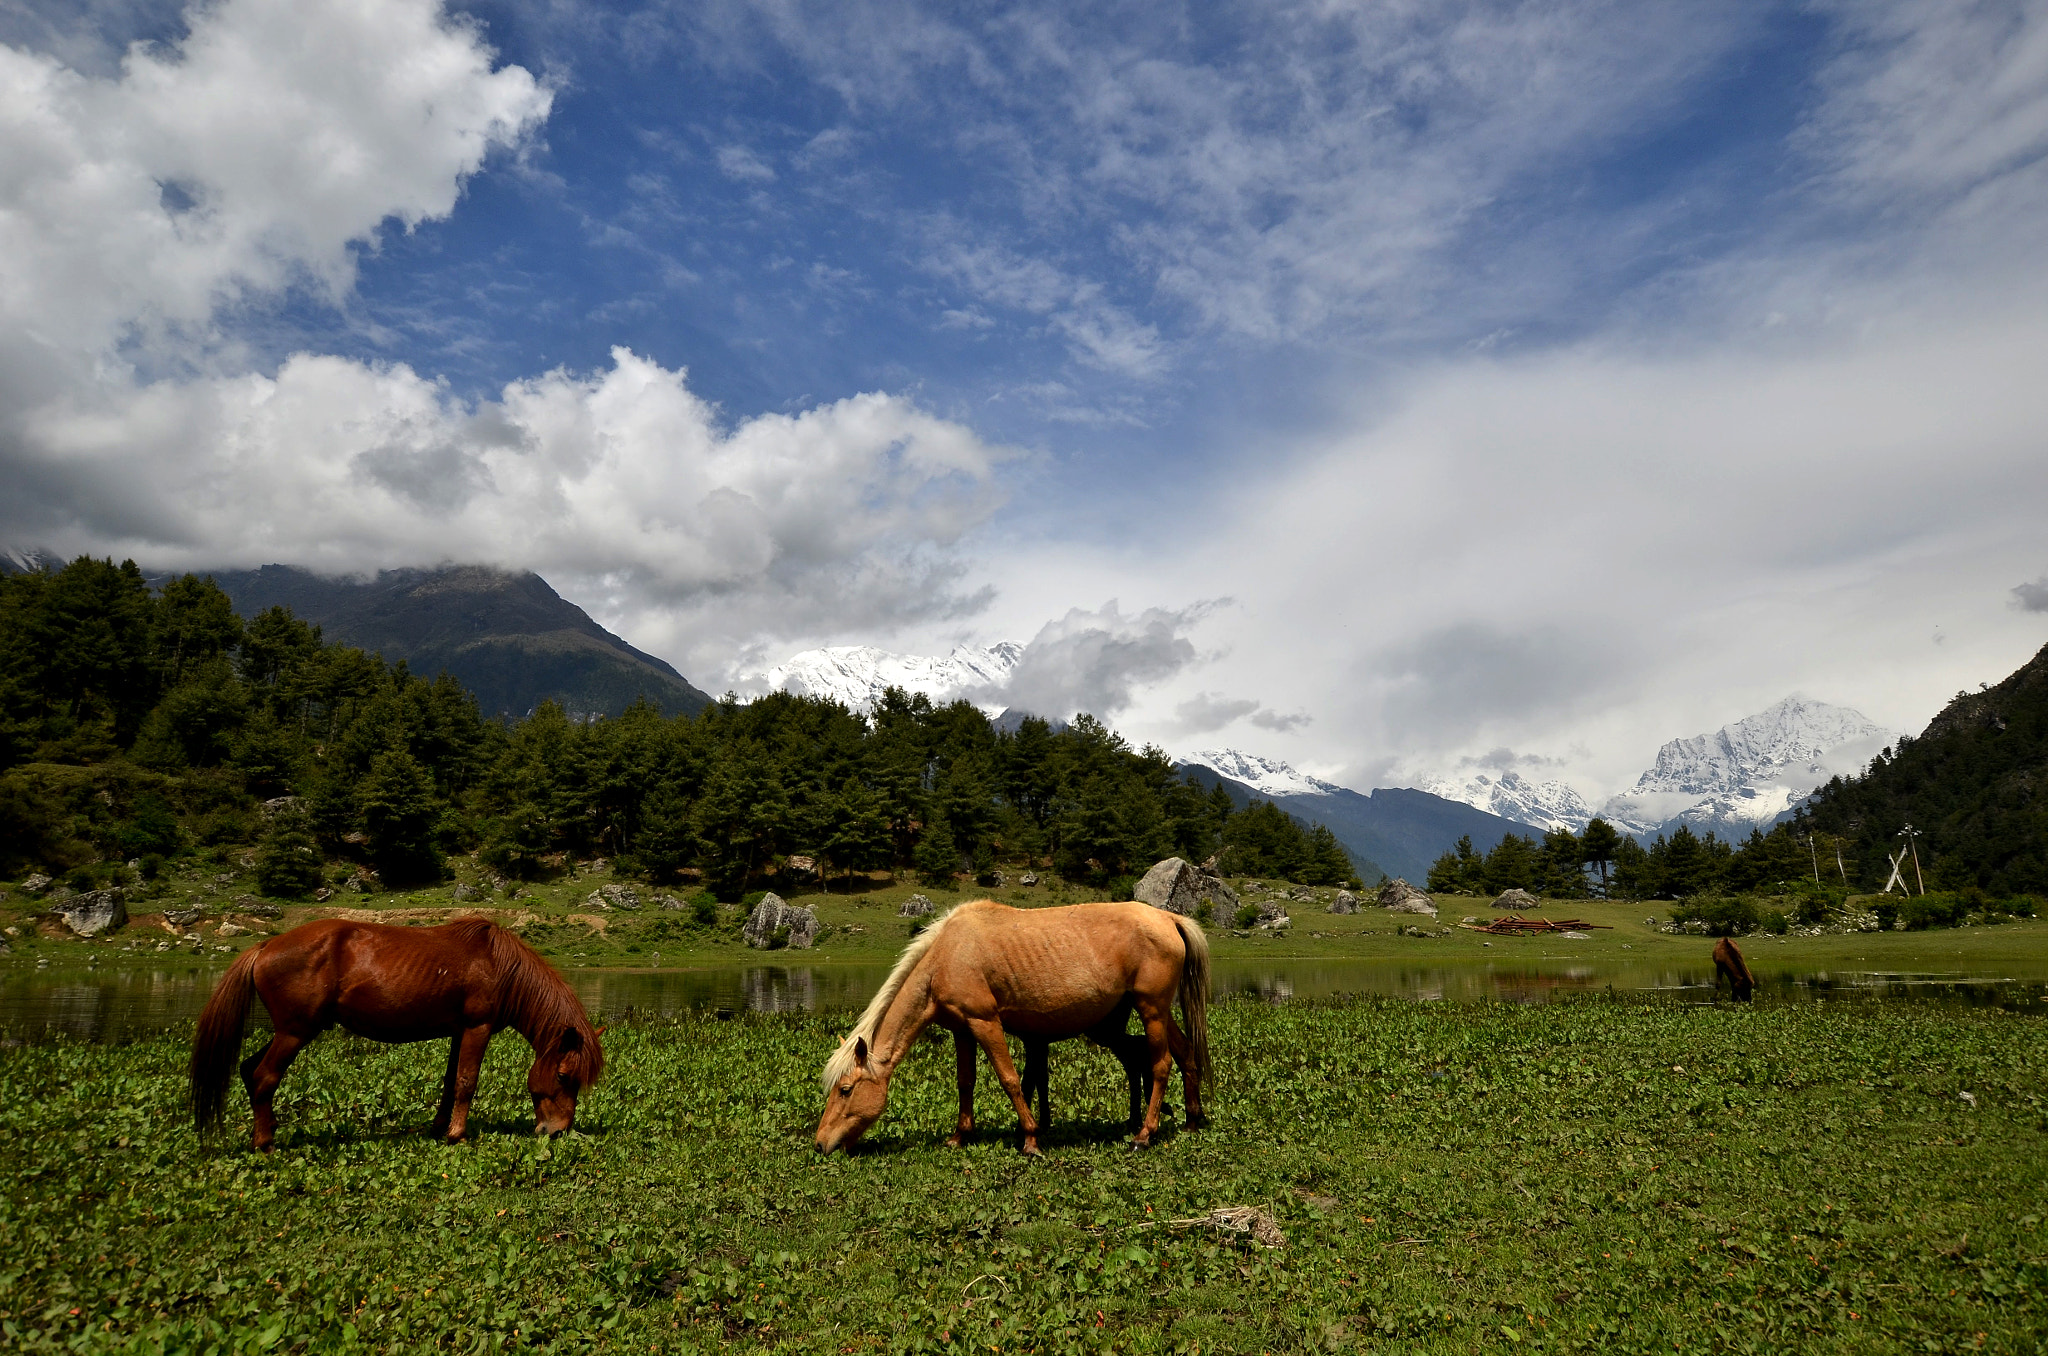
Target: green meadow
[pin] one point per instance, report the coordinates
(1594, 1174)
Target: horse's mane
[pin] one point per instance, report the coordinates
(870, 1021)
(534, 998)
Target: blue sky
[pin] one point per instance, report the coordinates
(1447, 376)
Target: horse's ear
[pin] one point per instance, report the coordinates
(860, 1051)
(601, 1030)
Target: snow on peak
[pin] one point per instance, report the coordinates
(1542, 805)
(1749, 774)
(1789, 740)
(1267, 776)
(857, 675)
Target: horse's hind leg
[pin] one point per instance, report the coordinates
(260, 1075)
(1190, 1077)
(1157, 1023)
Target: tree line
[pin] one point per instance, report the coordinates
(137, 724)
(1603, 862)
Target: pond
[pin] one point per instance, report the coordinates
(120, 1003)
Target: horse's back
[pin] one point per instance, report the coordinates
(382, 981)
(1058, 970)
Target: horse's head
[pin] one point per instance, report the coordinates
(853, 1101)
(559, 1072)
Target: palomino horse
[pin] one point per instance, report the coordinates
(1729, 965)
(1046, 974)
(463, 980)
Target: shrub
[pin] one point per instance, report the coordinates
(704, 908)
(1887, 912)
(1723, 917)
(1918, 913)
(1247, 914)
(1205, 913)
(1122, 887)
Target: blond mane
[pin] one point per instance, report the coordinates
(871, 1016)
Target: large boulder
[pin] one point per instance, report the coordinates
(37, 883)
(94, 912)
(1171, 885)
(1398, 896)
(1345, 902)
(1516, 900)
(614, 897)
(775, 922)
(917, 906)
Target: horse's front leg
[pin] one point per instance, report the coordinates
(1038, 1076)
(963, 1074)
(990, 1033)
(465, 1061)
(448, 1088)
(260, 1075)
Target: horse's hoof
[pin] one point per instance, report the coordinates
(952, 1141)
(1198, 1122)
(1031, 1151)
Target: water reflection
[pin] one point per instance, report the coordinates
(116, 1005)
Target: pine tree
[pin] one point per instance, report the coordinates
(937, 857)
(289, 864)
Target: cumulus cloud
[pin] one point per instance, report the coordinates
(256, 153)
(140, 207)
(1094, 662)
(2031, 597)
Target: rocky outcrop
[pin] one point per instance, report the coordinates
(1028, 878)
(1516, 900)
(775, 923)
(917, 906)
(37, 883)
(1345, 902)
(616, 896)
(1171, 885)
(1398, 896)
(95, 912)
(256, 908)
(465, 892)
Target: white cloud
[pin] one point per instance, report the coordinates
(256, 153)
(1095, 662)
(138, 209)
(740, 162)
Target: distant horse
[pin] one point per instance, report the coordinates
(1047, 974)
(1131, 1049)
(463, 980)
(1729, 965)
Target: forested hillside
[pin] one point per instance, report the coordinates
(1975, 783)
(138, 724)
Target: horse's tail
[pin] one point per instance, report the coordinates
(1194, 993)
(218, 1040)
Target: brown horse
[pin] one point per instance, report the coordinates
(463, 980)
(1131, 1049)
(1046, 974)
(1729, 965)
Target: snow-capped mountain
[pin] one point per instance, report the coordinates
(857, 675)
(1749, 774)
(1267, 776)
(1542, 805)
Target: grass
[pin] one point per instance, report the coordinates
(1591, 1174)
(864, 927)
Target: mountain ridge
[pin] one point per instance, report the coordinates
(1401, 830)
(855, 676)
(508, 637)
